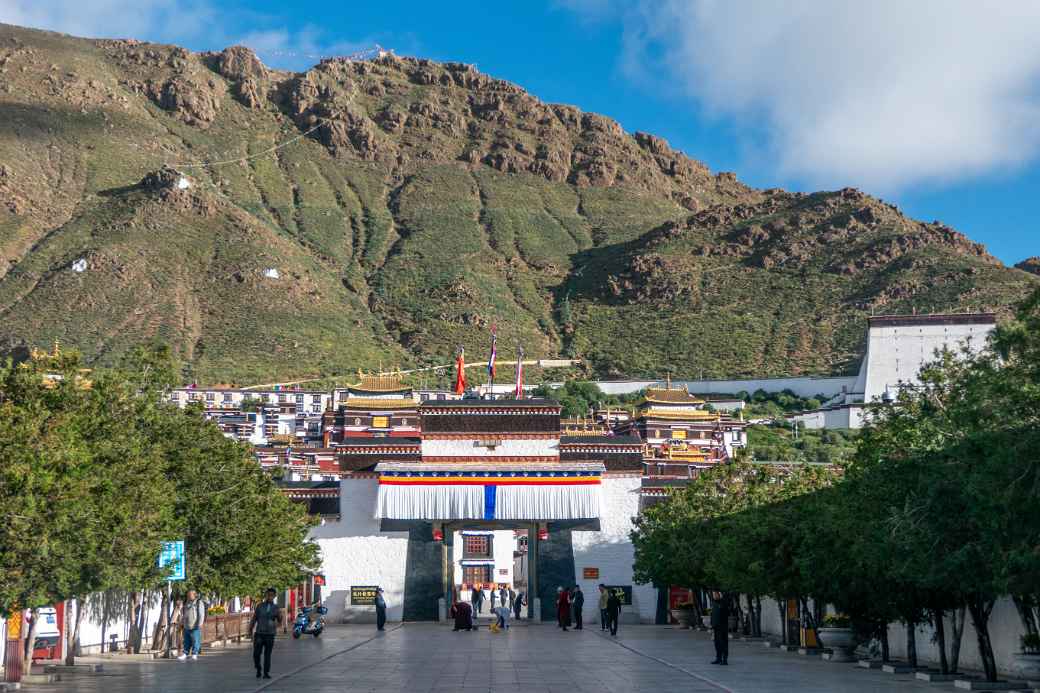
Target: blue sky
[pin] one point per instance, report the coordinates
(935, 108)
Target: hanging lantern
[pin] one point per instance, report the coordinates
(543, 532)
(438, 532)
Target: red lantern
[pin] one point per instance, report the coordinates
(543, 533)
(438, 535)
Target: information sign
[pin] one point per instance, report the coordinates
(363, 595)
(172, 555)
(624, 593)
(590, 573)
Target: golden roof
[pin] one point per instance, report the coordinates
(379, 403)
(696, 415)
(661, 395)
(379, 382)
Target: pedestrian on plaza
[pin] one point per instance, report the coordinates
(502, 614)
(474, 599)
(463, 615)
(563, 608)
(602, 606)
(613, 611)
(265, 620)
(720, 626)
(380, 609)
(512, 598)
(503, 597)
(193, 615)
(494, 595)
(578, 599)
(518, 605)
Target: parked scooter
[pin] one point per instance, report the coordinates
(305, 625)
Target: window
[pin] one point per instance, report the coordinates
(380, 422)
(316, 408)
(174, 396)
(476, 546)
(210, 396)
(404, 422)
(316, 399)
(679, 435)
(440, 398)
(476, 574)
(299, 399)
(227, 396)
(281, 399)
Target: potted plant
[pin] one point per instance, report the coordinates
(837, 634)
(683, 613)
(1026, 664)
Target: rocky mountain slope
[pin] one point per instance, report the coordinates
(413, 205)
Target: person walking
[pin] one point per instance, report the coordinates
(602, 606)
(380, 609)
(563, 608)
(193, 615)
(518, 605)
(265, 621)
(720, 626)
(494, 595)
(579, 601)
(474, 599)
(503, 597)
(512, 599)
(613, 611)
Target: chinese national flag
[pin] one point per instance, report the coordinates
(460, 373)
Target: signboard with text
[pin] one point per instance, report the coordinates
(624, 593)
(363, 595)
(590, 573)
(172, 559)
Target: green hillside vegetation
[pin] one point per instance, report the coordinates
(781, 443)
(425, 203)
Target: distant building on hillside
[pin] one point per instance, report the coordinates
(897, 347)
(377, 406)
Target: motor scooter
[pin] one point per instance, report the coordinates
(304, 625)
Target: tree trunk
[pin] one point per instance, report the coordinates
(142, 612)
(980, 610)
(957, 617)
(758, 616)
(886, 652)
(939, 615)
(133, 644)
(911, 643)
(1025, 606)
(781, 605)
(72, 651)
(30, 641)
(161, 626)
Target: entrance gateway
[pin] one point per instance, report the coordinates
(490, 465)
(485, 466)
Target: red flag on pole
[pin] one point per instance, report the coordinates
(519, 392)
(460, 373)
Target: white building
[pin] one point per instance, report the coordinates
(897, 347)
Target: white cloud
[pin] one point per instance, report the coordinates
(157, 20)
(883, 94)
(203, 24)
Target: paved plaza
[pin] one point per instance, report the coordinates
(529, 659)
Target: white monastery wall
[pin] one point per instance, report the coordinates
(896, 354)
(1005, 628)
(803, 387)
(469, 447)
(610, 550)
(355, 552)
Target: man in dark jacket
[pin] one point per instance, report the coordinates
(578, 599)
(613, 610)
(380, 609)
(720, 626)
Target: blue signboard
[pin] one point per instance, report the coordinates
(173, 554)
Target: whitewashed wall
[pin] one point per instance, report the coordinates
(1005, 628)
(803, 387)
(610, 550)
(355, 552)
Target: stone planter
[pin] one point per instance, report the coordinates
(842, 641)
(706, 620)
(684, 617)
(1026, 665)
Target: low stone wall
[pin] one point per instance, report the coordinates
(1005, 627)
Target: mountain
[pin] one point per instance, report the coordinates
(385, 211)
